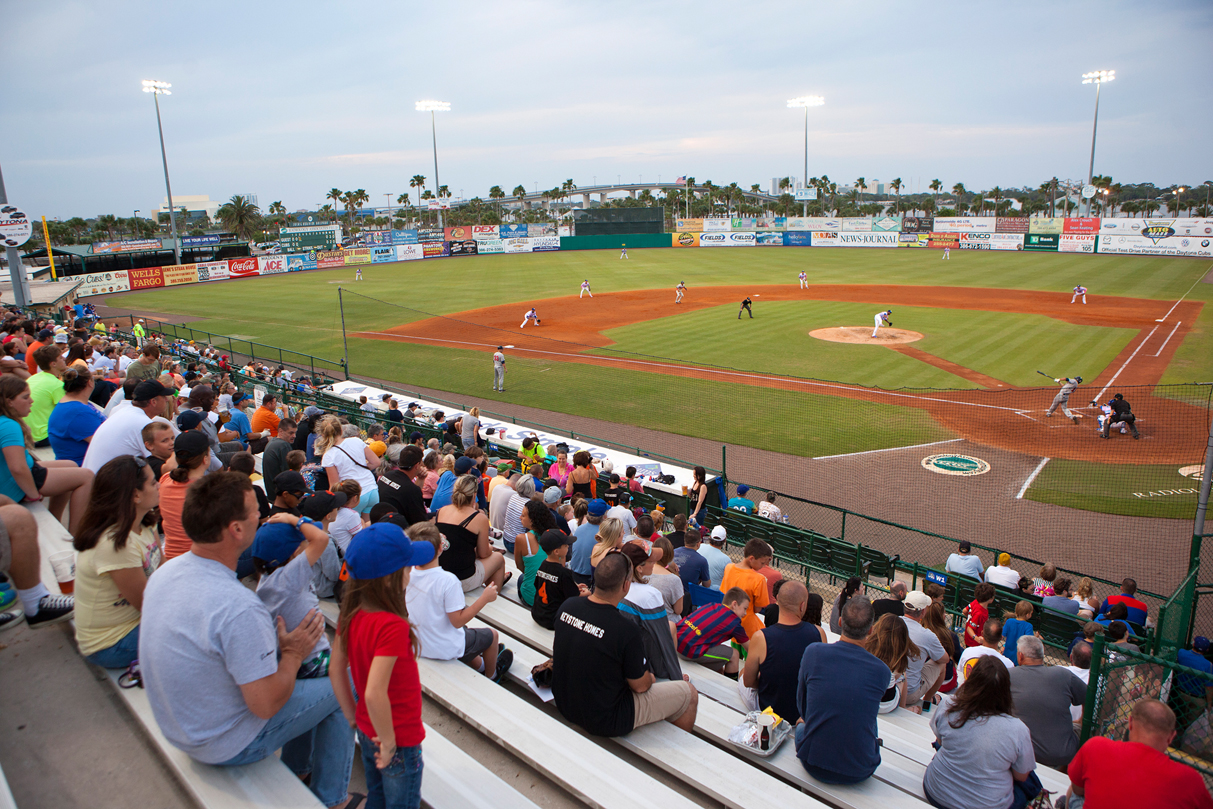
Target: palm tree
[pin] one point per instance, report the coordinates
(240, 216)
(108, 223)
(935, 186)
(327, 212)
(690, 194)
(861, 185)
(896, 186)
(959, 191)
(996, 192)
(519, 193)
(495, 194)
(336, 196)
(417, 181)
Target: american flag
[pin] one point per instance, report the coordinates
(681, 180)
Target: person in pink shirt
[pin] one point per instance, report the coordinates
(561, 470)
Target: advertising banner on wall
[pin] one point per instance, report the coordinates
(483, 232)
(733, 239)
(516, 245)
(374, 237)
(1045, 224)
(798, 238)
(297, 263)
(492, 246)
(466, 247)
(1076, 224)
(435, 249)
(1076, 243)
(771, 223)
(822, 223)
(824, 238)
(770, 239)
(409, 252)
(690, 225)
(175, 274)
(1041, 242)
(328, 259)
(866, 240)
(545, 244)
(917, 224)
(383, 254)
(358, 255)
(938, 240)
(1011, 224)
(886, 223)
(684, 239)
(127, 246)
(964, 224)
(1154, 245)
(540, 229)
(148, 277)
(991, 241)
(1161, 227)
(212, 271)
(404, 237)
(430, 234)
(241, 267)
(267, 265)
(458, 233)
(102, 283)
(199, 241)
(913, 239)
(715, 225)
(856, 224)
(513, 231)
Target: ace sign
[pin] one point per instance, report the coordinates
(14, 226)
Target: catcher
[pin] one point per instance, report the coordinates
(1062, 399)
(882, 319)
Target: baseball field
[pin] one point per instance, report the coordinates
(990, 322)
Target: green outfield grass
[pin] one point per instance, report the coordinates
(1145, 490)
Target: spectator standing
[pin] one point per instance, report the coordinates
(470, 556)
(1043, 696)
(894, 604)
(377, 648)
(714, 553)
(345, 456)
(699, 495)
(200, 625)
(117, 551)
(273, 459)
(692, 565)
(985, 754)
(773, 663)
(741, 502)
(925, 672)
(599, 677)
(989, 646)
(744, 574)
(75, 419)
(46, 389)
(838, 694)
(584, 540)
(1016, 628)
(964, 563)
(470, 429)
(1003, 574)
(769, 510)
(890, 643)
(708, 633)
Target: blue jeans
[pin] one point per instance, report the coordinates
(314, 738)
(120, 655)
(396, 786)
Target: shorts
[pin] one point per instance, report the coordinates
(6, 549)
(717, 657)
(667, 700)
(39, 473)
(475, 642)
(368, 500)
(475, 580)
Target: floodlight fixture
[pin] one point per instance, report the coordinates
(1099, 77)
(160, 88)
(433, 106)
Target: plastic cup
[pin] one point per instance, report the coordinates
(64, 565)
(684, 491)
(766, 720)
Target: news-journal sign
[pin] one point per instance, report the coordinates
(731, 239)
(1088, 225)
(964, 224)
(1011, 224)
(1076, 243)
(991, 241)
(102, 283)
(865, 240)
(917, 224)
(1041, 242)
(1202, 228)
(126, 246)
(1045, 224)
(1190, 246)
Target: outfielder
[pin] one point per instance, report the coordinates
(745, 307)
(1062, 399)
(358, 274)
(882, 319)
(804, 280)
(623, 252)
(531, 315)
(679, 291)
(1079, 292)
(947, 254)
(499, 369)
(585, 287)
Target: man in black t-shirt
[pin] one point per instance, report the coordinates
(554, 583)
(599, 674)
(397, 487)
(894, 604)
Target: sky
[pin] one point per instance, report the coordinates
(289, 100)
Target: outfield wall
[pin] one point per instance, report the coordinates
(1150, 237)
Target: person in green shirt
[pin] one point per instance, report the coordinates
(46, 389)
(140, 333)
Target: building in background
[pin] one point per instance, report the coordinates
(195, 206)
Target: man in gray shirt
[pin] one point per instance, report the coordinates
(965, 563)
(1043, 696)
(220, 676)
(924, 671)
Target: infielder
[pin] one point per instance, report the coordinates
(679, 291)
(745, 307)
(585, 287)
(531, 315)
(947, 254)
(499, 369)
(804, 280)
(1079, 292)
(358, 274)
(623, 252)
(1062, 399)
(881, 319)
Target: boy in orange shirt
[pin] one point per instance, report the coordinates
(745, 574)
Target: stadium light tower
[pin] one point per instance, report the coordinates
(806, 102)
(157, 89)
(1098, 78)
(432, 107)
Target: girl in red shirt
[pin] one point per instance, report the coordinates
(377, 646)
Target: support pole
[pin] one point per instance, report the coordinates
(172, 212)
(16, 269)
(1202, 503)
(344, 342)
(46, 235)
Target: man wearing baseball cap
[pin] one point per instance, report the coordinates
(584, 540)
(122, 432)
(924, 671)
(714, 553)
(289, 488)
(238, 421)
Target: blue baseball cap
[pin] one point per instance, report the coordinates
(381, 549)
(598, 507)
(742, 489)
(276, 542)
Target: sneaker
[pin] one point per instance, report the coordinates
(10, 619)
(7, 597)
(52, 610)
(1074, 419)
(504, 661)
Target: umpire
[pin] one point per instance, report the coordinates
(1122, 412)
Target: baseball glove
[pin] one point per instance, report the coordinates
(889, 323)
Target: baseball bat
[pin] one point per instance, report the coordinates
(1042, 373)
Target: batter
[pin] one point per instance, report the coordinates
(881, 319)
(1062, 399)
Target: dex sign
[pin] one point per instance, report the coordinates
(14, 226)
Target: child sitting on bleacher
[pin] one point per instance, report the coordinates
(979, 613)
(376, 648)
(1016, 628)
(704, 635)
(554, 583)
(347, 521)
(440, 613)
(284, 550)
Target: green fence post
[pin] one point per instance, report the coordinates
(1088, 706)
(724, 461)
(843, 530)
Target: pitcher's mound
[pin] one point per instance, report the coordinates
(862, 334)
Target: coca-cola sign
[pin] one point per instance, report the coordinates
(242, 267)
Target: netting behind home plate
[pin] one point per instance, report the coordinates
(907, 471)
